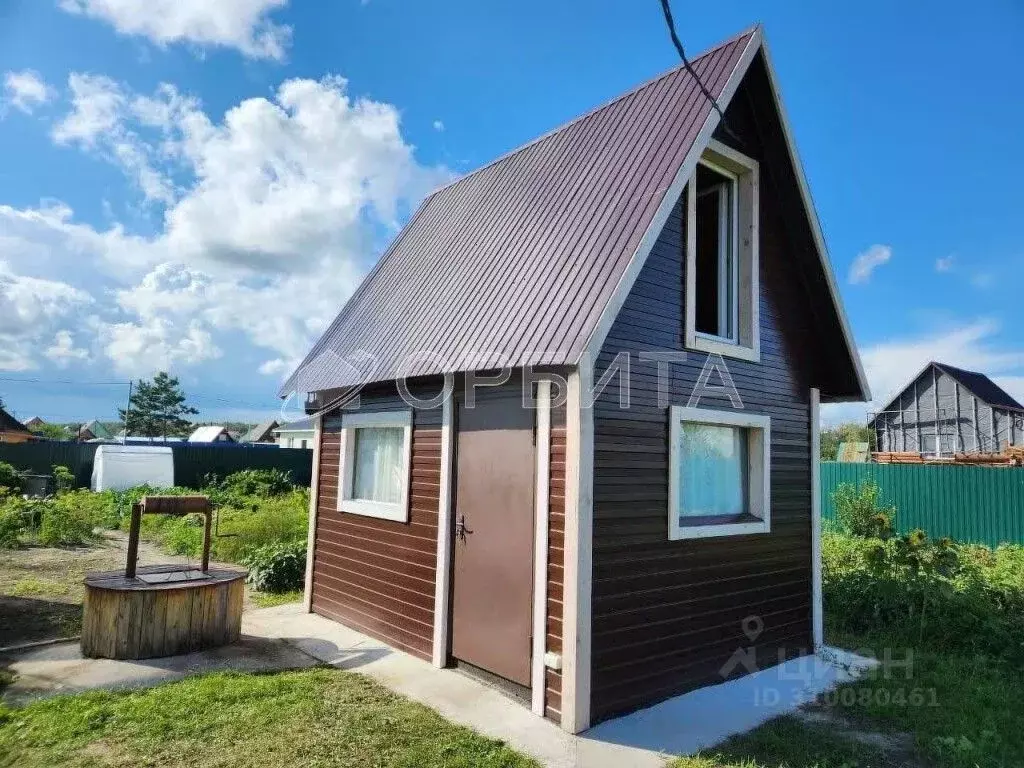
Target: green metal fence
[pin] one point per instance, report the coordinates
(192, 463)
(973, 504)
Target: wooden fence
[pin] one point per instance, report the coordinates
(972, 504)
(192, 462)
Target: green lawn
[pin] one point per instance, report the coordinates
(952, 712)
(317, 717)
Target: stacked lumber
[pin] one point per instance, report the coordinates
(896, 457)
(1014, 452)
(985, 459)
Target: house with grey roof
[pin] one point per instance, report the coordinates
(946, 410)
(261, 433)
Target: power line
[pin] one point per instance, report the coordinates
(667, 10)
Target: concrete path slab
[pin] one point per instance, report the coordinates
(287, 637)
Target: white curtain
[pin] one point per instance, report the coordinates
(379, 470)
(714, 471)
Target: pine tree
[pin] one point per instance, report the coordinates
(157, 408)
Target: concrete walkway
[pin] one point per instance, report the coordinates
(287, 637)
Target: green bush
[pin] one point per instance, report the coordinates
(68, 520)
(13, 525)
(63, 478)
(10, 478)
(248, 487)
(277, 568)
(911, 591)
(860, 512)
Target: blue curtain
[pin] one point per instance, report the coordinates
(713, 475)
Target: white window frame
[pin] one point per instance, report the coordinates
(728, 266)
(758, 471)
(350, 422)
(741, 245)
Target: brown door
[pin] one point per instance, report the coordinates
(493, 558)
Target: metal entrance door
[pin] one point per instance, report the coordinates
(492, 591)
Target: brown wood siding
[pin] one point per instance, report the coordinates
(668, 615)
(377, 576)
(556, 562)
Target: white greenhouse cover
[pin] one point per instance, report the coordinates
(116, 467)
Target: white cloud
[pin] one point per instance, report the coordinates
(889, 365)
(63, 351)
(438, 126)
(945, 264)
(867, 262)
(244, 25)
(266, 228)
(30, 310)
(26, 90)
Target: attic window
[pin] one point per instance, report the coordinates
(722, 255)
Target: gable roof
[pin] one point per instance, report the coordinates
(978, 384)
(983, 387)
(300, 425)
(96, 428)
(527, 260)
(10, 424)
(207, 434)
(260, 432)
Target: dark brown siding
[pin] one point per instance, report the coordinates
(556, 561)
(668, 615)
(377, 576)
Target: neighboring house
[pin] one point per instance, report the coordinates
(593, 559)
(93, 430)
(212, 433)
(261, 433)
(295, 434)
(12, 430)
(34, 423)
(946, 410)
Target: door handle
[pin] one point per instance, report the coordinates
(460, 528)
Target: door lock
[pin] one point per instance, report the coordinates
(460, 528)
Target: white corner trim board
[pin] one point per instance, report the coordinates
(314, 495)
(540, 554)
(442, 577)
(817, 606)
(578, 552)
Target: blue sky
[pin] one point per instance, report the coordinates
(198, 185)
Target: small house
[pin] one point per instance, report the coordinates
(34, 423)
(566, 430)
(261, 433)
(93, 430)
(211, 433)
(295, 434)
(946, 410)
(12, 430)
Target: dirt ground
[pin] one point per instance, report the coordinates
(41, 588)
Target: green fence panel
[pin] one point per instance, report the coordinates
(192, 463)
(973, 504)
(40, 458)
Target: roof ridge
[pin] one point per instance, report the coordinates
(594, 110)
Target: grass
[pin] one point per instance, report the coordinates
(317, 717)
(34, 587)
(269, 600)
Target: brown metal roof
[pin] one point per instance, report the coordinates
(514, 263)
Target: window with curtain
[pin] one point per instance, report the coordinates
(713, 471)
(719, 473)
(379, 471)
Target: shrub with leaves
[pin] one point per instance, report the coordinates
(860, 512)
(931, 594)
(10, 478)
(15, 520)
(247, 487)
(68, 520)
(63, 478)
(277, 568)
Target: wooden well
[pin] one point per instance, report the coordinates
(130, 618)
(162, 610)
